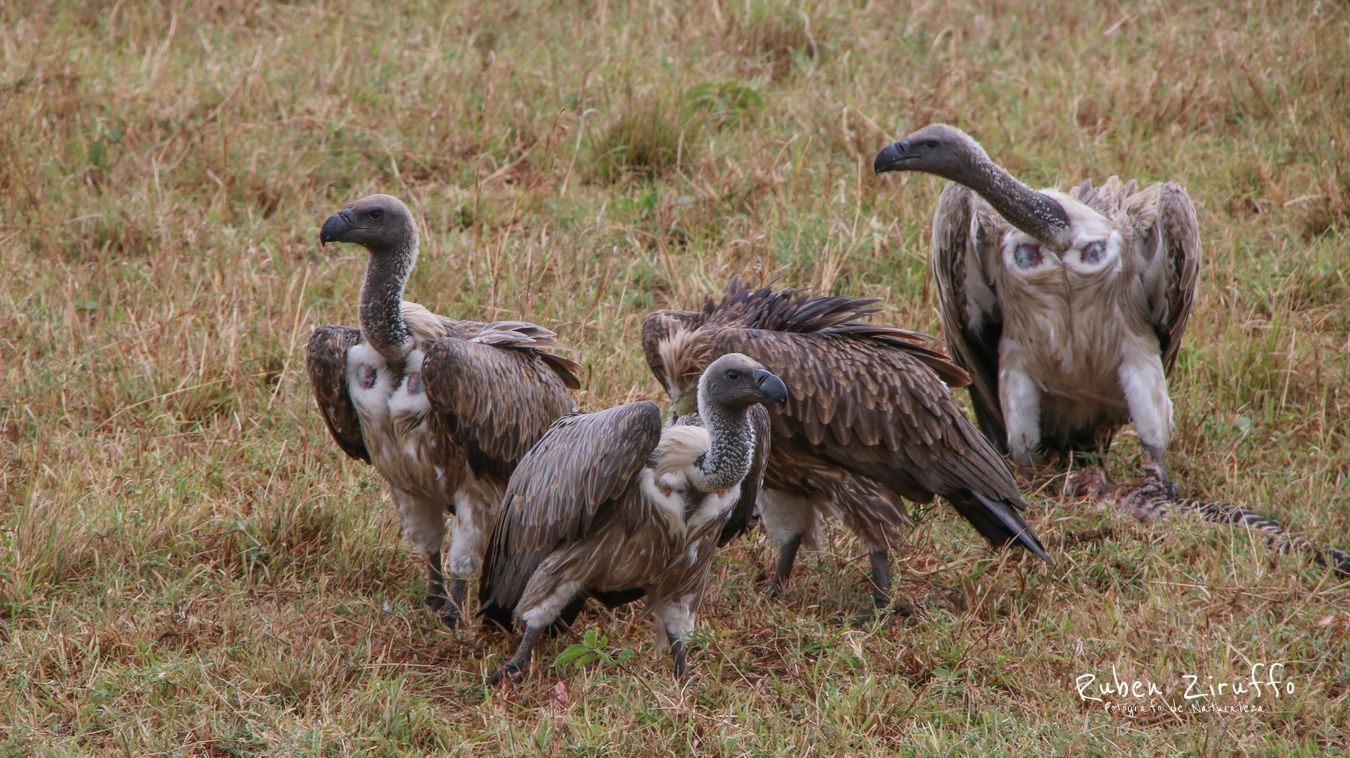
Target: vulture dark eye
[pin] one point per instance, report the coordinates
(377, 214)
(1093, 251)
(733, 375)
(1027, 256)
(930, 144)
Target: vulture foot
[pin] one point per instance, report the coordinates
(450, 609)
(1154, 471)
(435, 597)
(449, 615)
(514, 669)
(508, 672)
(881, 577)
(679, 660)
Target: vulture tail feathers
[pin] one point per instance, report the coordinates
(999, 522)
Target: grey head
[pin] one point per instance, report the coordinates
(379, 223)
(383, 226)
(952, 154)
(734, 382)
(936, 149)
(728, 388)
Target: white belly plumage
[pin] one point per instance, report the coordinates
(668, 487)
(394, 411)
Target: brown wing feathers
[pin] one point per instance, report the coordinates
(496, 402)
(534, 340)
(561, 487)
(962, 241)
(879, 412)
(326, 364)
(1180, 233)
(865, 399)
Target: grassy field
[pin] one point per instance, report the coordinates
(188, 563)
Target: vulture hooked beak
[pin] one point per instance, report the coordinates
(771, 386)
(892, 157)
(336, 227)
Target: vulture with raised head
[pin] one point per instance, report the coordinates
(443, 409)
(613, 506)
(869, 424)
(1068, 308)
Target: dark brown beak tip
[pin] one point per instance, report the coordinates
(889, 158)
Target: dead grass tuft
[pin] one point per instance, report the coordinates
(775, 38)
(647, 136)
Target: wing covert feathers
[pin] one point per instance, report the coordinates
(867, 420)
(496, 398)
(965, 243)
(1179, 232)
(326, 365)
(559, 490)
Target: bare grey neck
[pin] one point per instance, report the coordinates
(382, 302)
(730, 439)
(1030, 211)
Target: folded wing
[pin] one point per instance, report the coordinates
(878, 410)
(560, 491)
(498, 392)
(966, 233)
(326, 364)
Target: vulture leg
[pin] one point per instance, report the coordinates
(788, 518)
(466, 552)
(435, 598)
(1145, 385)
(1021, 401)
(1155, 470)
(677, 654)
(787, 555)
(881, 577)
(881, 591)
(424, 525)
(468, 541)
(453, 609)
(677, 620)
(518, 663)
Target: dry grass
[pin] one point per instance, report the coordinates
(188, 564)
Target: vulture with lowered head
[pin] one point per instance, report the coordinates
(1068, 308)
(613, 506)
(869, 424)
(443, 409)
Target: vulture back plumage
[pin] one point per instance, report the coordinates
(870, 421)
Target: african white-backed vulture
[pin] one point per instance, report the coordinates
(611, 505)
(443, 409)
(870, 421)
(1066, 309)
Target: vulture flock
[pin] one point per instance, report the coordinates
(1062, 313)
